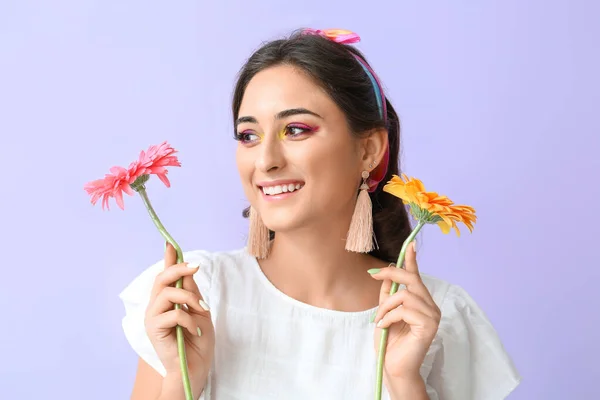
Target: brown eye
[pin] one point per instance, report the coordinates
(297, 129)
(247, 137)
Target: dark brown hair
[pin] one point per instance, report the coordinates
(336, 70)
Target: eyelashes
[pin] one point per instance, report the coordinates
(292, 131)
(247, 136)
(299, 129)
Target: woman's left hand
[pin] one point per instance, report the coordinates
(411, 316)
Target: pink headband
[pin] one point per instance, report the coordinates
(343, 36)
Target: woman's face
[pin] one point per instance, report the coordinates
(297, 160)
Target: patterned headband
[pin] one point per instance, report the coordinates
(343, 36)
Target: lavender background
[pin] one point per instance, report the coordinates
(499, 106)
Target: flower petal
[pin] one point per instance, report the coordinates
(127, 189)
(152, 161)
(119, 198)
(413, 191)
(163, 178)
(444, 227)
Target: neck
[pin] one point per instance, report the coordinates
(312, 265)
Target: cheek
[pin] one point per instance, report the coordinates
(333, 170)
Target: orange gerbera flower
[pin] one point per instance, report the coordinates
(430, 207)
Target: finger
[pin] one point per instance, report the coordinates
(386, 286)
(170, 255)
(171, 275)
(410, 261)
(171, 296)
(401, 276)
(406, 299)
(404, 314)
(189, 284)
(384, 293)
(171, 319)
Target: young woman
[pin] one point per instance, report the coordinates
(290, 314)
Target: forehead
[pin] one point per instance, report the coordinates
(283, 87)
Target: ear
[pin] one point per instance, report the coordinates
(374, 145)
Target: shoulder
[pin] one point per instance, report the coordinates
(438, 288)
(215, 258)
(211, 263)
(458, 307)
(451, 298)
(467, 359)
(136, 294)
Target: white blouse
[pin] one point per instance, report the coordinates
(270, 346)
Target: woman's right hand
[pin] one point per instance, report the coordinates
(162, 318)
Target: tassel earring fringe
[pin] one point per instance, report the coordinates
(360, 234)
(258, 236)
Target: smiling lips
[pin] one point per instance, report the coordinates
(280, 190)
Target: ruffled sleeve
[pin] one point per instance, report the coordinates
(136, 297)
(470, 362)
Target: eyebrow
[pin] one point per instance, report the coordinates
(280, 115)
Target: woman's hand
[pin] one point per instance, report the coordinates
(194, 316)
(411, 316)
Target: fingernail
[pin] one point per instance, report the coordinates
(193, 265)
(199, 331)
(373, 271)
(415, 246)
(379, 323)
(204, 305)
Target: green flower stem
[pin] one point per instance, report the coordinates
(384, 331)
(187, 388)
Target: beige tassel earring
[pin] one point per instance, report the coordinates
(360, 234)
(258, 236)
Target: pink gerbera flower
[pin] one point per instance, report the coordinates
(154, 161)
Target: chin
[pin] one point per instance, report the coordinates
(283, 220)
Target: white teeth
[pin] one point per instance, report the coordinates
(275, 190)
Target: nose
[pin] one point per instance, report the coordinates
(270, 156)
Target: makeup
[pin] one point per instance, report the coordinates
(249, 136)
(297, 130)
